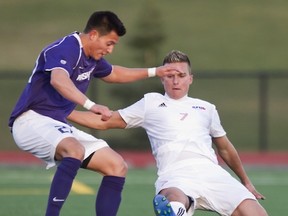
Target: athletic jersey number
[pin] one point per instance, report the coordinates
(64, 129)
(184, 115)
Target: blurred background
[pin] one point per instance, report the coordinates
(238, 51)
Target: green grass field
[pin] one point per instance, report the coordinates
(24, 190)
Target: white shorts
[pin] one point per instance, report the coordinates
(40, 136)
(211, 187)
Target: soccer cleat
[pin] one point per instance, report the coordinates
(162, 206)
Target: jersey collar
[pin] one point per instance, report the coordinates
(77, 36)
(180, 99)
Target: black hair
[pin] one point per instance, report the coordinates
(105, 22)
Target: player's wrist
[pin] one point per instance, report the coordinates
(152, 72)
(88, 104)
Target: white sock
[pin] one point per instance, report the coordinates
(178, 208)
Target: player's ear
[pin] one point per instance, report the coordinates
(93, 34)
(191, 79)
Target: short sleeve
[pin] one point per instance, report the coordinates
(134, 114)
(103, 68)
(216, 129)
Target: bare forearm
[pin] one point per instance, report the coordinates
(123, 75)
(63, 84)
(87, 119)
(231, 157)
(92, 120)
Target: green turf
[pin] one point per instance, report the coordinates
(24, 190)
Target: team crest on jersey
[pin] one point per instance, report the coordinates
(62, 61)
(199, 107)
(84, 76)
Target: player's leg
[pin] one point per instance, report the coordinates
(249, 207)
(220, 189)
(171, 202)
(40, 136)
(113, 167)
(70, 152)
(107, 162)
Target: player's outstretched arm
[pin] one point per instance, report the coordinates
(228, 153)
(121, 74)
(92, 120)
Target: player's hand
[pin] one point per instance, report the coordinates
(252, 189)
(166, 70)
(104, 111)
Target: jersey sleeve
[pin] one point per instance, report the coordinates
(63, 54)
(103, 68)
(216, 129)
(134, 114)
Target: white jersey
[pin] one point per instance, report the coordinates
(179, 130)
(180, 134)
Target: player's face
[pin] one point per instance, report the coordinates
(177, 86)
(101, 45)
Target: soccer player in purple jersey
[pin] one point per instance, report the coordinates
(58, 83)
(181, 130)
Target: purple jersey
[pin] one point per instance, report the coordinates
(40, 96)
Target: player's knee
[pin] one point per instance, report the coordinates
(119, 168)
(70, 147)
(77, 153)
(175, 194)
(250, 207)
(262, 211)
(117, 165)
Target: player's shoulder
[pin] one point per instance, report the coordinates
(72, 41)
(153, 95)
(153, 98)
(68, 44)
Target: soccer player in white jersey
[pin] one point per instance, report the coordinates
(57, 85)
(181, 130)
